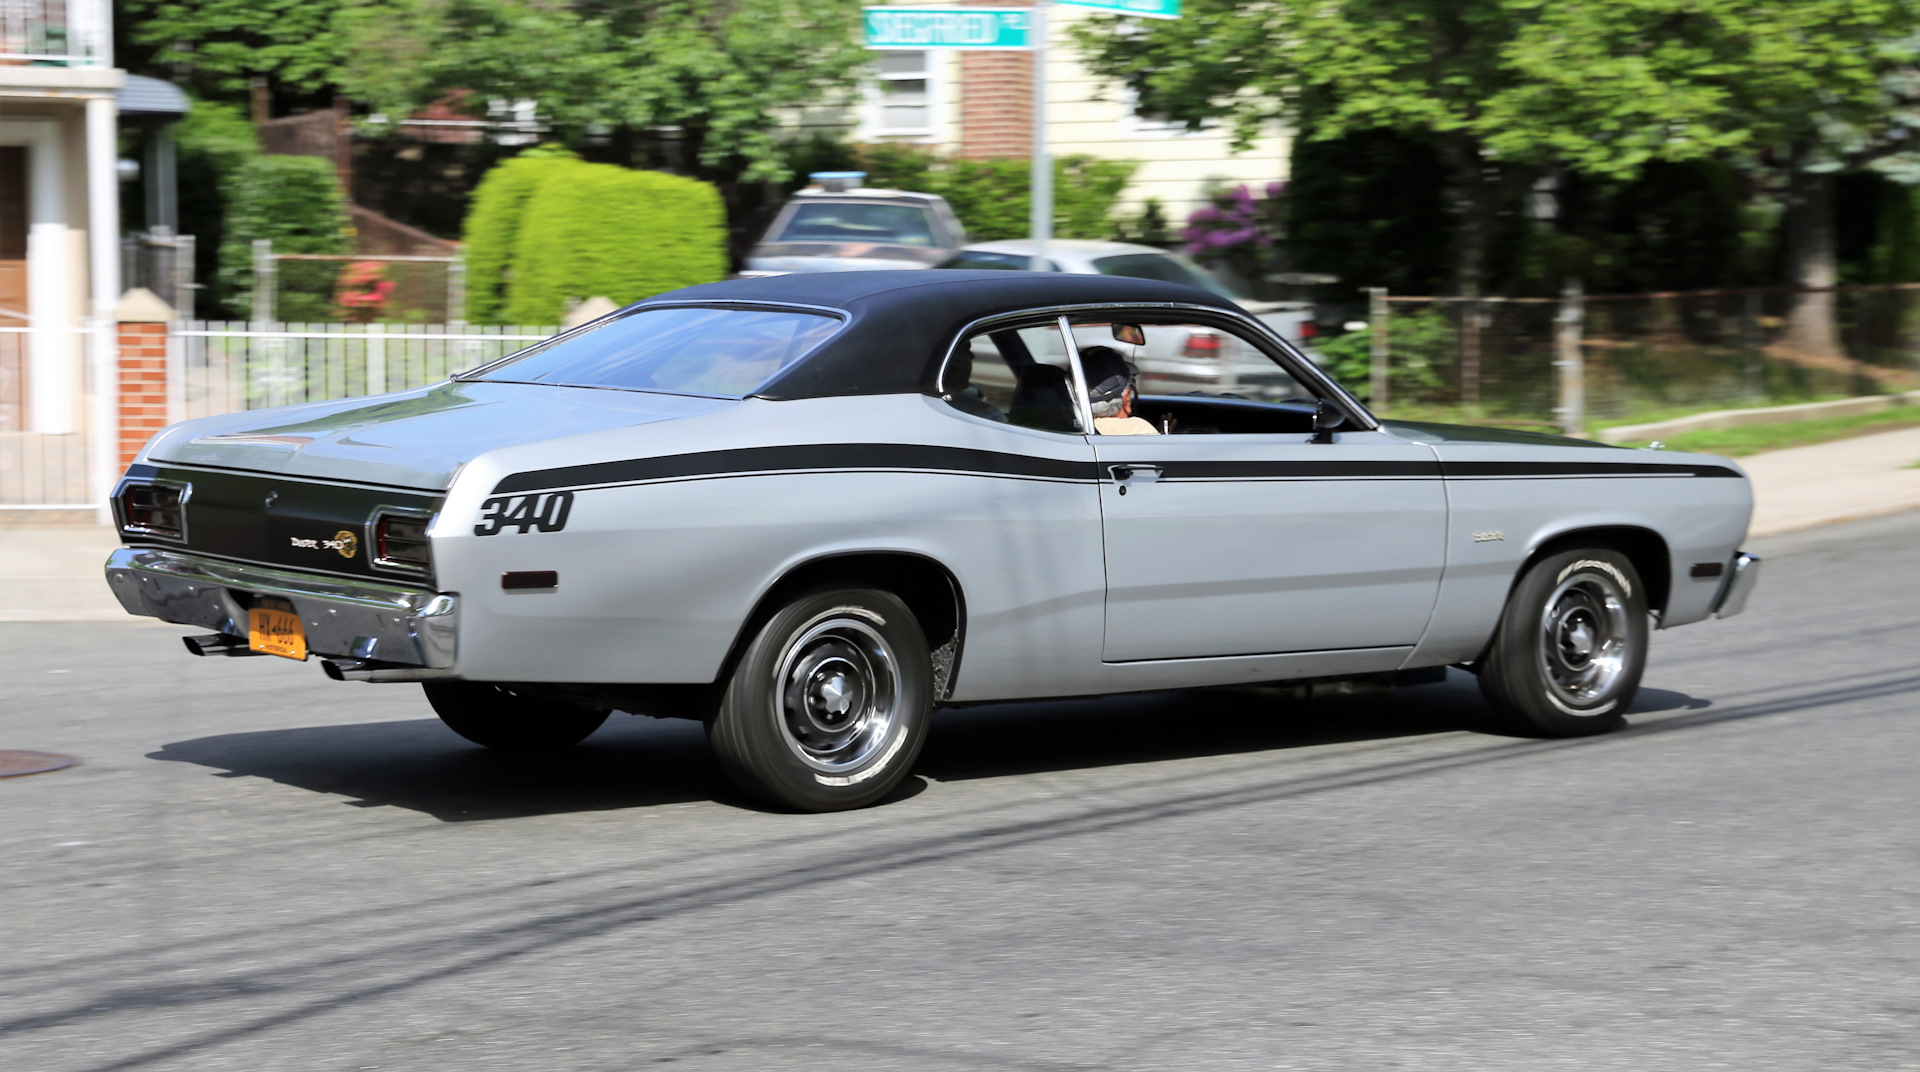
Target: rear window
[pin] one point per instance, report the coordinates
(840, 221)
(722, 353)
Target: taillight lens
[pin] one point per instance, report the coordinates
(400, 542)
(154, 510)
(1203, 344)
(1309, 329)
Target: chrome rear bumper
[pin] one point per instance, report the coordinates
(1742, 573)
(346, 618)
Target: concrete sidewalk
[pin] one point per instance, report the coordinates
(1838, 481)
(52, 573)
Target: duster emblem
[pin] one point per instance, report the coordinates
(344, 542)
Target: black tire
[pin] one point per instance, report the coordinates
(1571, 646)
(828, 706)
(501, 718)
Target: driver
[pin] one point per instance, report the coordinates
(1110, 391)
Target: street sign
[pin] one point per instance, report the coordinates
(949, 27)
(1146, 9)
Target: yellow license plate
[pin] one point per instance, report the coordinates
(273, 628)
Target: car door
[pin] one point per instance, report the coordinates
(1235, 533)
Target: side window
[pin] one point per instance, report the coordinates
(1017, 376)
(1196, 378)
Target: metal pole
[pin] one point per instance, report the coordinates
(1041, 190)
(183, 268)
(1377, 341)
(1569, 361)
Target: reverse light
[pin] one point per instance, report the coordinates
(157, 510)
(400, 542)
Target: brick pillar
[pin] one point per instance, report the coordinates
(996, 105)
(143, 321)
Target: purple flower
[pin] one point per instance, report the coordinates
(1277, 188)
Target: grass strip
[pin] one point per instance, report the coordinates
(1755, 438)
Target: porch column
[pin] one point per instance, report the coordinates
(103, 277)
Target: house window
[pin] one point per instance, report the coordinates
(903, 101)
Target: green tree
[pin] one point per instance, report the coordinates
(213, 142)
(1504, 88)
(222, 44)
(294, 202)
(717, 71)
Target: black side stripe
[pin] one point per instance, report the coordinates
(922, 457)
(1536, 469)
(788, 458)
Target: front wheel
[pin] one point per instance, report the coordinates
(508, 720)
(828, 706)
(1571, 645)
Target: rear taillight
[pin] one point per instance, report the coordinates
(1308, 329)
(154, 510)
(1203, 344)
(400, 542)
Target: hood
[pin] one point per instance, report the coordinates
(415, 439)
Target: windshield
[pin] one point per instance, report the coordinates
(1165, 267)
(683, 351)
(844, 221)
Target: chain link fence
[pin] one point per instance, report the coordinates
(1580, 360)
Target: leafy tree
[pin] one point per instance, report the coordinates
(492, 231)
(1504, 88)
(220, 45)
(718, 71)
(294, 202)
(992, 197)
(212, 143)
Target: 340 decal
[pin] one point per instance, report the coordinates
(546, 512)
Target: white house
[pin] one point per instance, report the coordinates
(59, 241)
(979, 105)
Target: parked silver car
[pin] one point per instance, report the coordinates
(837, 225)
(807, 509)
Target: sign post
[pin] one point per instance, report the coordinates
(1003, 29)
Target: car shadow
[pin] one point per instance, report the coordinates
(420, 765)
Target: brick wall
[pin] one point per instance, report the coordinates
(996, 105)
(143, 386)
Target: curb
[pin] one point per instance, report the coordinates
(1735, 418)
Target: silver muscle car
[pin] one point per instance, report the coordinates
(808, 509)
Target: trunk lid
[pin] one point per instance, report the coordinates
(416, 439)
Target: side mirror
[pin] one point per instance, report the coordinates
(1326, 418)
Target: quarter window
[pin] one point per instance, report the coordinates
(675, 350)
(1017, 376)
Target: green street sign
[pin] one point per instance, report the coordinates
(949, 27)
(1146, 9)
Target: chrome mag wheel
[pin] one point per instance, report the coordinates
(838, 694)
(1584, 638)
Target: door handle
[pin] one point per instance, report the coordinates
(1126, 472)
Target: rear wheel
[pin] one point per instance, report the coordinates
(828, 706)
(1571, 646)
(503, 718)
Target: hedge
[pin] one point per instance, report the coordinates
(492, 229)
(294, 202)
(593, 229)
(991, 197)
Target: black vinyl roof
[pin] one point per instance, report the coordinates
(899, 323)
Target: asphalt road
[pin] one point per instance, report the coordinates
(257, 869)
